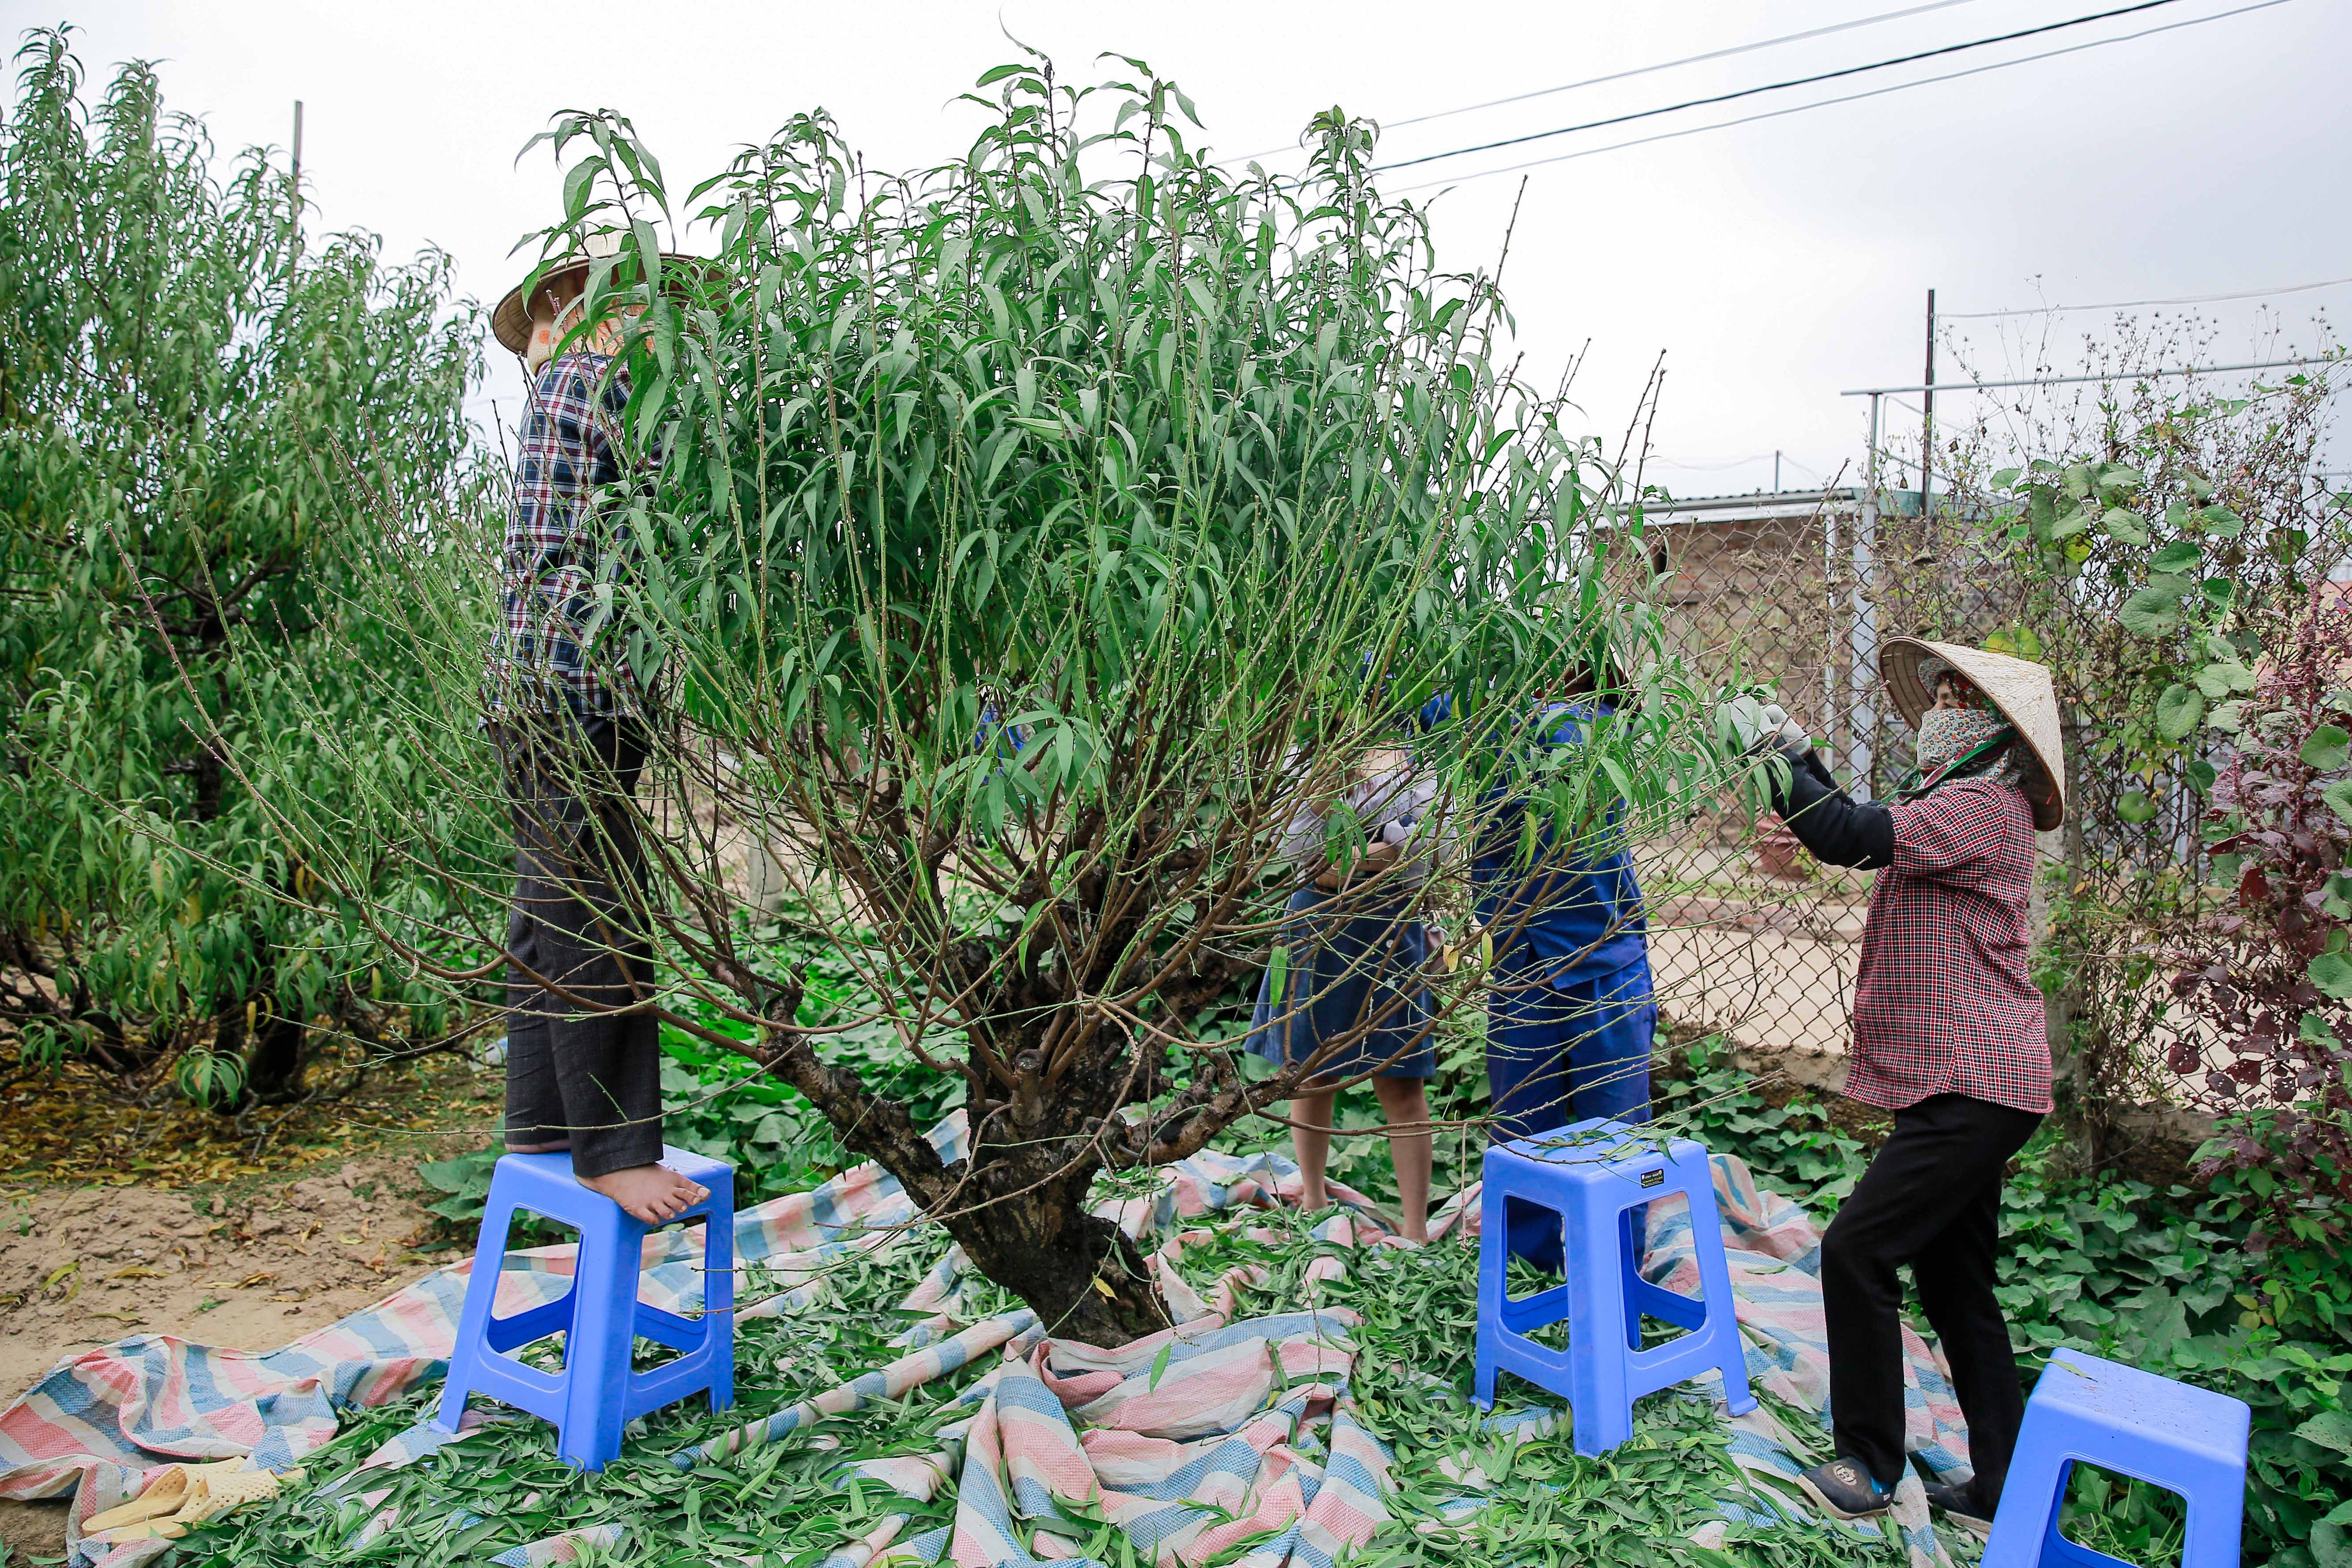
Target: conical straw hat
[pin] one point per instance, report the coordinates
(2019, 687)
(555, 281)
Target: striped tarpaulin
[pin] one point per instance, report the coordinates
(1188, 1444)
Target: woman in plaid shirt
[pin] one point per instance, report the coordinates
(1949, 1033)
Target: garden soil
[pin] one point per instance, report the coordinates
(332, 1220)
(83, 1267)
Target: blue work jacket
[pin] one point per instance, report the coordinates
(1581, 919)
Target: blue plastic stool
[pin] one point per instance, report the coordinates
(1592, 1174)
(596, 1394)
(2188, 1440)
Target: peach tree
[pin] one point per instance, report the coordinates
(1015, 548)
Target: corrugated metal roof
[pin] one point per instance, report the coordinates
(1774, 504)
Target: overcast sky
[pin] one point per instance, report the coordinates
(1774, 263)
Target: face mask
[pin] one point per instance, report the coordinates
(1947, 735)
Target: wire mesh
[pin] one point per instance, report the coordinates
(1750, 937)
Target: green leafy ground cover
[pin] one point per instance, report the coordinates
(2158, 1279)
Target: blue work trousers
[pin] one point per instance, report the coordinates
(1566, 1048)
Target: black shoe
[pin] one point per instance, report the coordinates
(1846, 1489)
(1958, 1502)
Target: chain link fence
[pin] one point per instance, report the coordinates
(1752, 939)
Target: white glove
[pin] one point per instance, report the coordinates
(1786, 728)
(1750, 725)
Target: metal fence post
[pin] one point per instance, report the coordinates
(1862, 713)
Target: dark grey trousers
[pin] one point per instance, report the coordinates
(583, 1058)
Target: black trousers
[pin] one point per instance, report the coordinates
(583, 1058)
(1930, 1199)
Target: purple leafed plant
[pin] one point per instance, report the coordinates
(2270, 971)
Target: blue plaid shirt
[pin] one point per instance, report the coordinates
(547, 660)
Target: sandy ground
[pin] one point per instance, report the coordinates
(84, 1266)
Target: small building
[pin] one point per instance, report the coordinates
(1781, 588)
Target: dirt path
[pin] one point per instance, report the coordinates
(84, 1266)
(251, 1264)
(81, 1267)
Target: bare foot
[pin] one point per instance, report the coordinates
(651, 1193)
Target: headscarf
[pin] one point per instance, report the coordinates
(1962, 742)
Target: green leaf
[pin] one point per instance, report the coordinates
(455, 1175)
(2332, 973)
(2178, 556)
(2134, 807)
(2326, 749)
(2072, 524)
(1159, 1366)
(2329, 1430)
(2222, 676)
(2337, 798)
(2126, 526)
(2177, 711)
(2150, 613)
(1278, 971)
(2221, 522)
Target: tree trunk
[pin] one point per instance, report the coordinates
(1084, 1276)
(273, 1067)
(1017, 1202)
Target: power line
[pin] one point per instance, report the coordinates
(1779, 86)
(1650, 69)
(1657, 461)
(1829, 102)
(2137, 304)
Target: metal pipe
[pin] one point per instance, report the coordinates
(1832, 713)
(1861, 715)
(2070, 379)
(1927, 415)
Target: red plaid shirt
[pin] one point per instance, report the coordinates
(1943, 1004)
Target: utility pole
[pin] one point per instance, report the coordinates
(1776, 470)
(295, 179)
(1927, 412)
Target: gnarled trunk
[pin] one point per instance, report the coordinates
(1084, 1276)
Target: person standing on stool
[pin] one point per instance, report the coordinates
(1949, 1033)
(1570, 1014)
(1356, 945)
(583, 1049)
